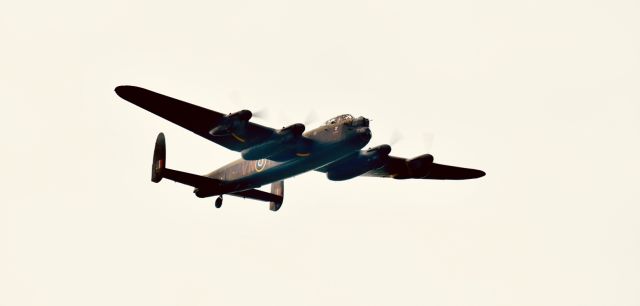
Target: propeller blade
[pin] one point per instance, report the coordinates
(312, 117)
(262, 113)
(236, 99)
(427, 139)
(395, 137)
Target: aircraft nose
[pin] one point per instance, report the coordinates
(364, 133)
(362, 121)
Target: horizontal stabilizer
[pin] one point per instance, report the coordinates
(259, 195)
(190, 179)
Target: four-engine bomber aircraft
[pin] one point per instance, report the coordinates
(269, 156)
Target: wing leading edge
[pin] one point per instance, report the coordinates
(196, 119)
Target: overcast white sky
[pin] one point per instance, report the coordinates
(542, 95)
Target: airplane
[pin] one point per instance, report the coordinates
(269, 156)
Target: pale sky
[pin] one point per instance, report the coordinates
(542, 95)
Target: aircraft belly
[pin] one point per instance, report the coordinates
(262, 172)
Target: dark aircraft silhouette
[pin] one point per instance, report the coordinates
(269, 156)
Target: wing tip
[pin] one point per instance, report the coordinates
(470, 174)
(446, 172)
(125, 90)
(477, 174)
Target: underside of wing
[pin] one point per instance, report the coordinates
(196, 119)
(377, 162)
(445, 172)
(422, 167)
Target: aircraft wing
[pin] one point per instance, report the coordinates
(196, 119)
(402, 168)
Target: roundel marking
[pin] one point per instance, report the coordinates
(260, 164)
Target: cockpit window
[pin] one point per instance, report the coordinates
(339, 119)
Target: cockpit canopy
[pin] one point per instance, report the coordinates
(339, 119)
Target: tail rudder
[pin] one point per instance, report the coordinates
(277, 188)
(159, 159)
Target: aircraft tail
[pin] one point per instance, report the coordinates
(206, 186)
(277, 189)
(160, 171)
(159, 159)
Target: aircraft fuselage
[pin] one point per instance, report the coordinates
(332, 142)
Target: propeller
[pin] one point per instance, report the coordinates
(396, 136)
(312, 117)
(427, 139)
(262, 113)
(236, 99)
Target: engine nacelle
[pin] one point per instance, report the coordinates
(232, 123)
(282, 140)
(420, 166)
(360, 163)
(294, 130)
